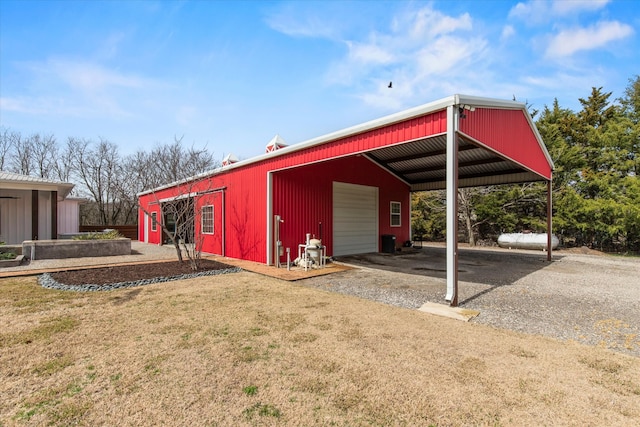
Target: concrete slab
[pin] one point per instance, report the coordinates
(457, 313)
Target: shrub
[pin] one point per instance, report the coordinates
(7, 255)
(105, 235)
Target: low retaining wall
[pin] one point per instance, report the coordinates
(16, 249)
(56, 249)
(11, 262)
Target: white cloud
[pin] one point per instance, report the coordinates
(570, 41)
(429, 23)
(507, 32)
(421, 51)
(530, 11)
(46, 106)
(78, 88)
(564, 7)
(446, 54)
(369, 53)
(294, 22)
(93, 78)
(540, 11)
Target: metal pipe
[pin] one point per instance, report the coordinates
(288, 259)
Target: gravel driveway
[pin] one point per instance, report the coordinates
(592, 299)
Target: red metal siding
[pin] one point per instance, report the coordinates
(418, 127)
(509, 133)
(211, 243)
(303, 198)
(246, 199)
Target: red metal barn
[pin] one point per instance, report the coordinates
(352, 186)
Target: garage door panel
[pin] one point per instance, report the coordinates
(355, 219)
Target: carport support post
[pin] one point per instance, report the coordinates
(452, 205)
(549, 219)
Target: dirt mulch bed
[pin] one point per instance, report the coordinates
(131, 273)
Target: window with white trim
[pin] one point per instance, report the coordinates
(396, 214)
(154, 221)
(207, 219)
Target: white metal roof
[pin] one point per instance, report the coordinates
(14, 181)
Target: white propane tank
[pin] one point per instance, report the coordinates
(527, 241)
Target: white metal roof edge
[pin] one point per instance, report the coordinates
(428, 108)
(185, 180)
(479, 101)
(26, 182)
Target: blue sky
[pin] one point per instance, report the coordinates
(231, 75)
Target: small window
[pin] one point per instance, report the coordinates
(154, 221)
(207, 219)
(395, 214)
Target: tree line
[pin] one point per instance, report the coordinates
(596, 188)
(107, 179)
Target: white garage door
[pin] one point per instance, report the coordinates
(355, 219)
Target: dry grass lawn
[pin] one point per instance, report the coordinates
(242, 349)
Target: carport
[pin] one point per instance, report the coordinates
(352, 186)
(486, 142)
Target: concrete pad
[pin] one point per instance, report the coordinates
(296, 273)
(457, 313)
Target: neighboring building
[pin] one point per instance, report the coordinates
(69, 215)
(34, 208)
(351, 187)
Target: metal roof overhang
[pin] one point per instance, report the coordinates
(11, 181)
(422, 164)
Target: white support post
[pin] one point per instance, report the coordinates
(269, 239)
(549, 218)
(452, 205)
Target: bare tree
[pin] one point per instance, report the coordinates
(465, 208)
(44, 150)
(22, 160)
(180, 217)
(98, 167)
(100, 172)
(8, 139)
(62, 165)
(173, 162)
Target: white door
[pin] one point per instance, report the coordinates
(146, 227)
(355, 219)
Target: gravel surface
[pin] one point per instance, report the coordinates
(592, 299)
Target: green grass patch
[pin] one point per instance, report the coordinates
(45, 330)
(60, 405)
(250, 390)
(262, 410)
(52, 366)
